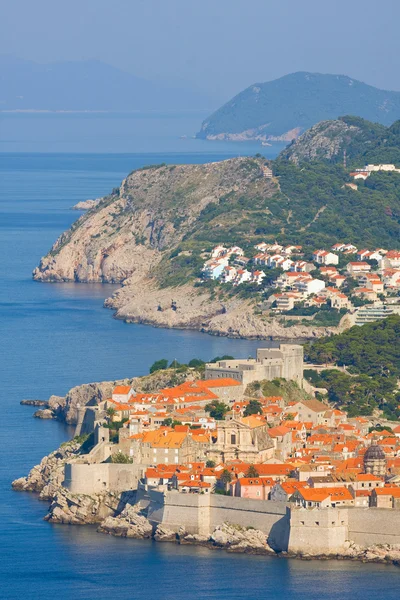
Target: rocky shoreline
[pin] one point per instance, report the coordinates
(186, 307)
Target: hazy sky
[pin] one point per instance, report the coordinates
(221, 46)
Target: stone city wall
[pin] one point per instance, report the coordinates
(368, 526)
(306, 531)
(202, 513)
(104, 477)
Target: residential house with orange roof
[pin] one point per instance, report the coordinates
(282, 439)
(385, 497)
(322, 497)
(310, 410)
(257, 488)
(122, 394)
(283, 490)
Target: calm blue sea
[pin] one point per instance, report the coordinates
(54, 336)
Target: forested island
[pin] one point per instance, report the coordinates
(282, 109)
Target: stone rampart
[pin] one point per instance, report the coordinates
(368, 526)
(104, 477)
(202, 513)
(318, 531)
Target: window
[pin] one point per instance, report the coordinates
(317, 522)
(233, 438)
(301, 522)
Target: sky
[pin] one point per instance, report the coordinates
(220, 46)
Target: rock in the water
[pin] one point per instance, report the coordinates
(44, 413)
(34, 403)
(130, 523)
(239, 539)
(163, 534)
(197, 539)
(81, 509)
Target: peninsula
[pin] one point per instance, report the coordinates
(237, 454)
(248, 247)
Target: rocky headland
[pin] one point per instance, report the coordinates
(152, 235)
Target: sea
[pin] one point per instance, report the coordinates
(55, 336)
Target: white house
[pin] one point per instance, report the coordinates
(236, 250)
(122, 393)
(218, 251)
(228, 274)
(309, 286)
(257, 277)
(323, 257)
(242, 276)
(213, 268)
(356, 268)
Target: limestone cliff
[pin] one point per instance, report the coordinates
(47, 477)
(153, 209)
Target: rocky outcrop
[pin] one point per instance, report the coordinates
(86, 204)
(132, 522)
(163, 534)
(47, 477)
(44, 413)
(81, 509)
(129, 523)
(376, 553)
(157, 225)
(43, 403)
(239, 539)
(322, 141)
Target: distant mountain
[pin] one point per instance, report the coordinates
(282, 109)
(363, 142)
(87, 85)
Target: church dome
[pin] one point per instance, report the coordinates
(374, 452)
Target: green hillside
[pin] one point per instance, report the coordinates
(372, 354)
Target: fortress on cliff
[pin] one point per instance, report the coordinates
(286, 362)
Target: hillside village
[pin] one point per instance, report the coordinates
(342, 278)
